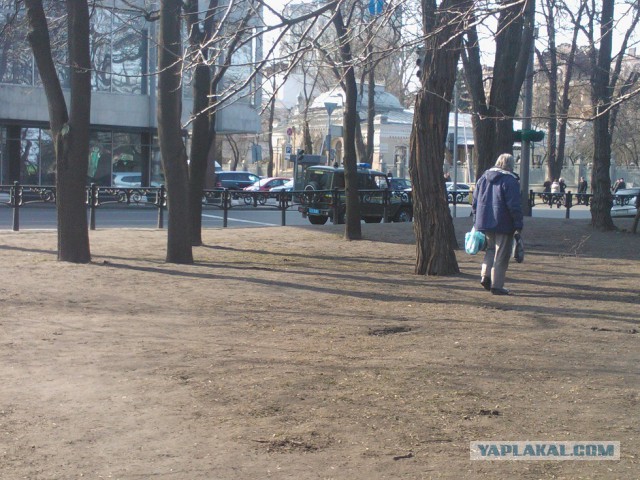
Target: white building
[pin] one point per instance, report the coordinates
(392, 131)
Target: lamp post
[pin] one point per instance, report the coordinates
(330, 106)
(455, 145)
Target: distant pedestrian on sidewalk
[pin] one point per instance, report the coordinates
(497, 212)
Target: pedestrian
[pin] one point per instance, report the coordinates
(555, 186)
(497, 212)
(563, 185)
(582, 185)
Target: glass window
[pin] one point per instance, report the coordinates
(100, 147)
(30, 156)
(242, 66)
(128, 52)
(56, 13)
(127, 153)
(100, 34)
(47, 159)
(157, 173)
(16, 61)
(3, 146)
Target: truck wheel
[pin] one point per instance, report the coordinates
(318, 219)
(403, 216)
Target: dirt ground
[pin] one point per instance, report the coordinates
(288, 352)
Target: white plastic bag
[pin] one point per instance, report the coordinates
(474, 241)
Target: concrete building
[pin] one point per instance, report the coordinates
(123, 100)
(392, 132)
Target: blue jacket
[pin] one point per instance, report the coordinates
(497, 206)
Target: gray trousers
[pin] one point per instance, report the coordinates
(496, 258)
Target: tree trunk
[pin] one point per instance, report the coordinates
(361, 148)
(174, 157)
(493, 121)
(353, 229)
(306, 135)
(272, 113)
(554, 163)
(199, 151)
(601, 201)
(433, 225)
(70, 131)
(199, 155)
(371, 106)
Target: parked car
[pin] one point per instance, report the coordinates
(398, 184)
(235, 180)
(262, 185)
(127, 180)
(463, 190)
(625, 202)
(285, 187)
(318, 207)
(266, 184)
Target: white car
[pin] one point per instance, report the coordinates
(625, 202)
(285, 187)
(463, 190)
(127, 180)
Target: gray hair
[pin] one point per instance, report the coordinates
(505, 162)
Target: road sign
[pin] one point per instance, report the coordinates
(289, 131)
(287, 151)
(376, 7)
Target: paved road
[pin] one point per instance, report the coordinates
(44, 217)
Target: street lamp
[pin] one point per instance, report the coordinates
(330, 106)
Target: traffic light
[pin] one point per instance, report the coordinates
(419, 61)
(528, 135)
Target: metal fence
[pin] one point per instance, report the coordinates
(569, 200)
(17, 196)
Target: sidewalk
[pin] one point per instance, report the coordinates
(287, 352)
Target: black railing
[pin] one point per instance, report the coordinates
(569, 200)
(17, 196)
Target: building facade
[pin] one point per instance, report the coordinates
(123, 100)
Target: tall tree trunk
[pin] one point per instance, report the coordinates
(70, 131)
(361, 148)
(601, 99)
(565, 101)
(306, 135)
(554, 163)
(174, 156)
(493, 120)
(200, 133)
(272, 113)
(353, 229)
(199, 150)
(433, 225)
(371, 105)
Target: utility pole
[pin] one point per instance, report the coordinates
(525, 150)
(455, 144)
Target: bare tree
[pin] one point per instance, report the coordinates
(174, 155)
(353, 230)
(493, 116)
(433, 226)
(69, 129)
(604, 82)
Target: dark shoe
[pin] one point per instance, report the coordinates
(486, 282)
(500, 291)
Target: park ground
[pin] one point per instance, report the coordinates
(289, 353)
